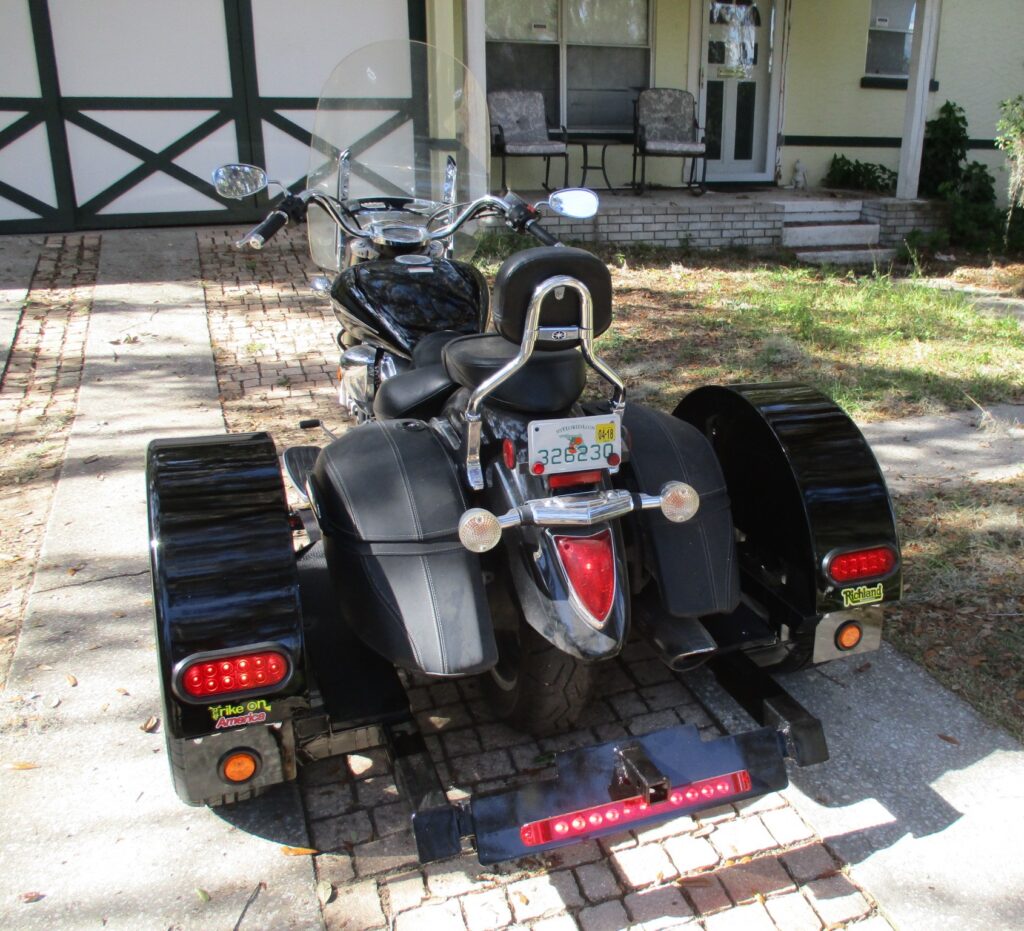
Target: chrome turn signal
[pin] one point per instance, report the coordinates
(479, 530)
(679, 501)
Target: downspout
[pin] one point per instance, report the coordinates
(783, 64)
(922, 66)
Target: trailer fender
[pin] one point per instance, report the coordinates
(224, 575)
(804, 485)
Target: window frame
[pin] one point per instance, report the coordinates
(877, 81)
(563, 45)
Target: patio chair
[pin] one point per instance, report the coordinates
(519, 128)
(665, 125)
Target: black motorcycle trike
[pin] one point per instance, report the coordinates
(489, 515)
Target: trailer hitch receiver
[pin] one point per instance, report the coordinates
(636, 775)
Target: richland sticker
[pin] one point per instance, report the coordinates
(862, 595)
(251, 712)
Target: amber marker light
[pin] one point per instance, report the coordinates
(239, 766)
(849, 635)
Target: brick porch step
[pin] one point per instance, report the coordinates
(830, 234)
(821, 211)
(847, 256)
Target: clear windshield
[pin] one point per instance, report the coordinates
(399, 109)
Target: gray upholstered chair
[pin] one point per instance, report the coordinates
(518, 128)
(665, 125)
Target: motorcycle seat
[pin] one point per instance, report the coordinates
(418, 393)
(550, 381)
(428, 350)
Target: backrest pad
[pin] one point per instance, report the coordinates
(520, 275)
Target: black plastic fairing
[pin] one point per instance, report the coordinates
(803, 483)
(397, 305)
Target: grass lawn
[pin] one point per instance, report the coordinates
(883, 347)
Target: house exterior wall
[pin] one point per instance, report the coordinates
(978, 64)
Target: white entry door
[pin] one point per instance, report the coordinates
(737, 39)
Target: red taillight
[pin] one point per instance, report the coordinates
(590, 565)
(617, 814)
(242, 673)
(568, 479)
(862, 564)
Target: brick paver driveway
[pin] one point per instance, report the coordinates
(750, 866)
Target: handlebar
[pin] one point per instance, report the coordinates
(542, 235)
(520, 216)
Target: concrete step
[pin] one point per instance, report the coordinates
(867, 256)
(830, 234)
(830, 205)
(823, 216)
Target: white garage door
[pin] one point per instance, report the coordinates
(114, 112)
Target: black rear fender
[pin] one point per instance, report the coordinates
(225, 580)
(804, 486)
(540, 581)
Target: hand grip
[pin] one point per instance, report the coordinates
(541, 234)
(257, 237)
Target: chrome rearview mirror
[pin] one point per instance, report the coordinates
(579, 203)
(238, 181)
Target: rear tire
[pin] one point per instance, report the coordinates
(535, 687)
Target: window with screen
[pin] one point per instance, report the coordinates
(890, 34)
(589, 58)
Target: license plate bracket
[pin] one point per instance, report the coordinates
(574, 444)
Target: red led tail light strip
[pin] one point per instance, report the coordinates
(620, 813)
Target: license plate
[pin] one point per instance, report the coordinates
(575, 444)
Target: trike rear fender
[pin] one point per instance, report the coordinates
(804, 485)
(224, 575)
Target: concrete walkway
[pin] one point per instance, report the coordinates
(17, 260)
(930, 824)
(96, 827)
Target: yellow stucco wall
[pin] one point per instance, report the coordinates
(980, 61)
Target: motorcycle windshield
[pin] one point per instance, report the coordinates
(399, 110)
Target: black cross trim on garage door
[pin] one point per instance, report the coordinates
(246, 109)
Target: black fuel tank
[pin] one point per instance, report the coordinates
(396, 304)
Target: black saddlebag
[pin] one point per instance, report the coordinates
(388, 500)
(694, 562)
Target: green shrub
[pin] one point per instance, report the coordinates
(974, 220)
(945, 147)
(850, 174)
